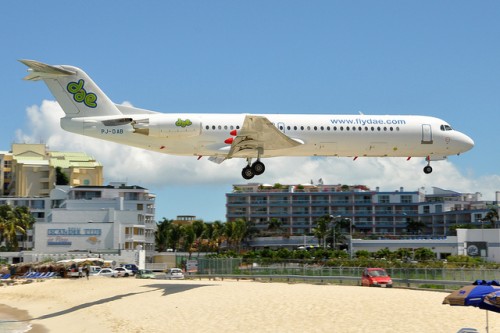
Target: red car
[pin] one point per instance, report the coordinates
(376, 277)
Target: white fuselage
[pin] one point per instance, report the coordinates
(318, 135)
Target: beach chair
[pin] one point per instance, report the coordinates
(5, 276)
(30, 275)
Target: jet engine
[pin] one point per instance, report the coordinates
(162, 126)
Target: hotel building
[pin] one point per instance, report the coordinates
(298, 207)
(29, 170)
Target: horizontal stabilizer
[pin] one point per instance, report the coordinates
(40, 71)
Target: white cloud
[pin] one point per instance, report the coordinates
(150, 169)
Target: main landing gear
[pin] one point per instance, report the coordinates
(253, 169)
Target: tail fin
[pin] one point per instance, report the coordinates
(75, 91)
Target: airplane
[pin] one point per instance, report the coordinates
(88, 111)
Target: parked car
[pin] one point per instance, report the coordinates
(106, 272)
(94, 270)
(376, 277)
(131, 267)
(122, 271)
(145, 274)
(174, 273)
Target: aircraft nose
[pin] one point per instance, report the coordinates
(467, 142)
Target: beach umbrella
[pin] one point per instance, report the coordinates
(475, 295)
(491, 301)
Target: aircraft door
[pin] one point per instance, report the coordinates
(281, 127)
(426, 134)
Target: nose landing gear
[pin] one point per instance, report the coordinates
(428, 168)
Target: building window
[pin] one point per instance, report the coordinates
(406, 199)
(383, 199)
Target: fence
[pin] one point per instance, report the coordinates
(440, 278)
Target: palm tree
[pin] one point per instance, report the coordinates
(162, 235)
(218, 231)
(10, 226)
(198, 229)
(24, 219)
(415, 227)
(239, 232)
(175, 236)
(235, 231)
(189, 238)
(274, 225)
(321, 229)
(492, 216)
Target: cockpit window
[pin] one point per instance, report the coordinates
(446, 128)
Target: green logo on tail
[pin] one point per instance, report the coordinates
(80, 95)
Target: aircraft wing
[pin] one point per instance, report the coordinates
(258, 132)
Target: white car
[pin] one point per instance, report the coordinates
(107, 272)
(122, 271)
(174, 273)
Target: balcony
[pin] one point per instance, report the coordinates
(135, 238)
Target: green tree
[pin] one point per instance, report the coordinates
(24, 219)
(189, 237)
(61, 177)
(162, 235)
(218, 232)
(492, 216)
(274, 225)
(199, 230)
(363, 254)
(403, 253)
(383, 253)
(175, 236)
(13, 222)
(424, 254)
(415, 227)
(321, 229)
(239, 232)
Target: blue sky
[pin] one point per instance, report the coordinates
(377, 57)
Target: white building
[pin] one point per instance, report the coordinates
(97, 219)
(115, 222)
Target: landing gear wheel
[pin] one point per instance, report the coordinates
(427, 169)
(258, 168)
(247, 172)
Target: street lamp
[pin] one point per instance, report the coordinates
(332, 220)
(350, 238)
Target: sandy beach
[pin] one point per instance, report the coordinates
(132, 305)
